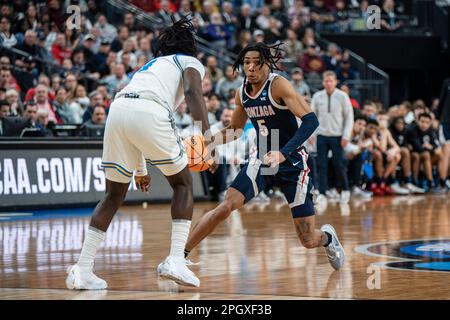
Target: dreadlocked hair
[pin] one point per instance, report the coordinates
(268, 54)
(178, 38)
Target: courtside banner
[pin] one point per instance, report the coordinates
(67, 173)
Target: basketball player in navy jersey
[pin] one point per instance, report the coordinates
(273, 106)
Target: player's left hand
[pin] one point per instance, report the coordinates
(143, 182)
(273, 158)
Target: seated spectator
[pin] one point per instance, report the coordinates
(355, 103)
(7, 38)
(332, 57)
(369, 109)
(229, 82)
(15, 103)
(424, 141)
(182, 119)
(214, 108)
(300, 11)
(321, 18)
(389, 17)
(117, 80)
(262, 20)
(62, 108)
(341, 16)
(300, 86)
(95, 99)
(165, 12)
(30, 118)
(345, 72)
(78, 103)
(94, 127)
(42, 122)
(122, 36)
(246, 20)
(258, 36)
(213, 70)
(128, 48)
(4, 114)
(391, 157)
(144, 49)
(274, 33)
(108, 31)
(398, 132)
(42, 102)
(55, 83)
(311, 61)
(43, 80)
(7, 80)
(216, 32)
(354, 154)
(293, 48)
(102, 54)
(59, 49)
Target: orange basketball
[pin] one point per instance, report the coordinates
(196, 153)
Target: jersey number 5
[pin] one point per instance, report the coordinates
(263, 130)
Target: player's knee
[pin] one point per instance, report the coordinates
(224, 210)
(425, 156)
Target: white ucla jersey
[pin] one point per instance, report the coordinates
(161, 79)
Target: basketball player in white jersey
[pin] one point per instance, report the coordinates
(140, 129)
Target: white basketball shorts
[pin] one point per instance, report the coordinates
(136, 128)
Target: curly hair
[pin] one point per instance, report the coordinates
(178, 38)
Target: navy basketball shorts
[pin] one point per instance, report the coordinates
(292, 178)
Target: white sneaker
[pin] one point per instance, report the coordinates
(80, 280)
(335, 251)
(399, 190)
(414, 189)
(176, 270)
(261, 197)
(332, 193)
(345, 196)
(279, 195)
(321, 199)
(358, 192)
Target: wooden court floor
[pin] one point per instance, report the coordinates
(397, 248)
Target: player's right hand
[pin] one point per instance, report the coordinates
(143, 182)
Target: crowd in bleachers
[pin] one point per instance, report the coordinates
(94, 61)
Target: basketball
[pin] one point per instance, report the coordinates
(196, 153)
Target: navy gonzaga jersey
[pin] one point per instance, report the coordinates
(275, 123)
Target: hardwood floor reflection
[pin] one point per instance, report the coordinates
(253, 255)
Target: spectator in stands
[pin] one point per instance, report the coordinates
(103, 90)
(59, 49)
(391, 156)
(214, 109)
(7, 38)
(56, 13)
(246, 21)
(355, 103)
(258, 36)
(4, 121)
(333, 134)
(388, 16)
(332, 57)
(30, 118)
(370, 110)
(213, 70)
(207, 85)
(62, 108)
(95, 100)
(107, 31)
(424, 141)
(245, 37)
(144, 49)
(55, 83)
(107, 68)
(182, 119)
(165, 12)
(78, 102)
(299, 11)
(345, 72)
(300, 86)
(117, 80)
(27, 21)
(274, 32)
(43, 122)
(122, 36)
(262, 20)
(102, 54)
(216, 31)
(128, 48)
(311, 61)
(405, 110)
(15, 103)
(341, 16)
(7, 80)
(43, 102)
(229, 82)
(129, 21)
(43, 80)
(293, 48)
(321, 18)
(230, 20)
(98, 119)
(399, 133)
(354, 151)
(30, 44)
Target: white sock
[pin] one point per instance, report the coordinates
(92, 241)
(180, 233)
